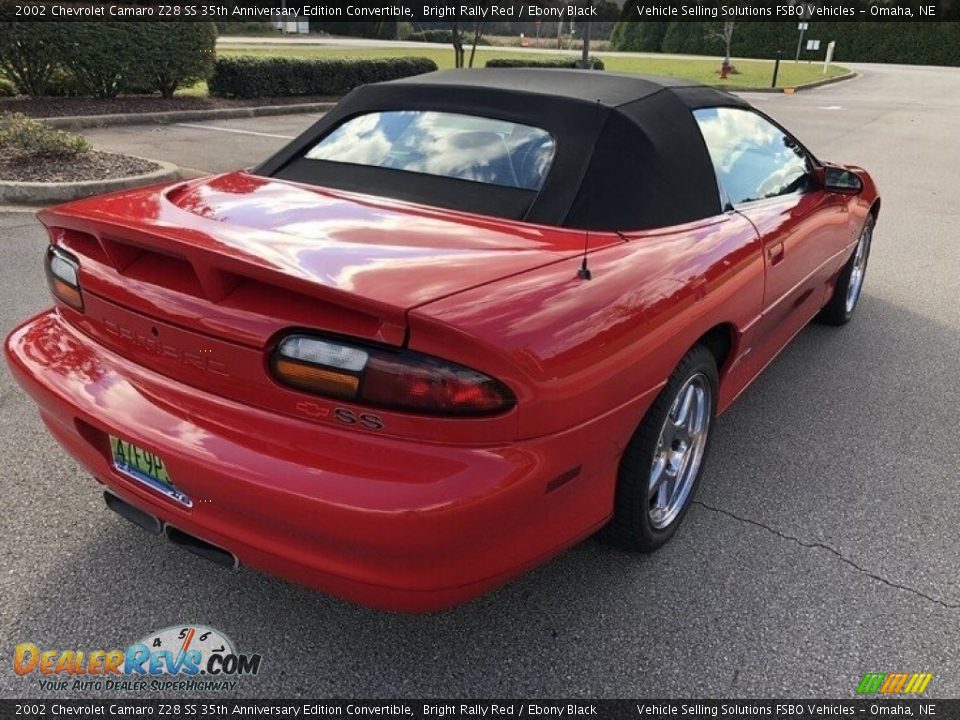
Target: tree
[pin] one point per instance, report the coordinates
(477, 33)
(637, 36)
(724, 33)
(456, 36)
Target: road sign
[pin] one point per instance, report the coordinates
(829, 59)
(803, 26)
(813, 44)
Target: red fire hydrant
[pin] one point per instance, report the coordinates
(725, 68)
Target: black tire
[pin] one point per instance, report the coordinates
(632, 526)
(837, 311)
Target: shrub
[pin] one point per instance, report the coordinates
(566, 62)
(101, 55)
(105, 58)
(7, 88)
(381, 29)
(30, 53)
(63, 83)
(174, 55)
(246, 28)
(445, 37)
(249, 77)
(24, 137)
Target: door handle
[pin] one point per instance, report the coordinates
(775, 253)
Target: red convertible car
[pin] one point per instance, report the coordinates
(464, 321)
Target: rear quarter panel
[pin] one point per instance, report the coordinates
(574, 349)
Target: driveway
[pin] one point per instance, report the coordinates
(823, 544)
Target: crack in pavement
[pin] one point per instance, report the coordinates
(18, 226)
(832, 551)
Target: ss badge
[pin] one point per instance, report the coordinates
(367, 420)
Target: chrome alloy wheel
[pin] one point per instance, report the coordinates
(679, 451)
(859, 268)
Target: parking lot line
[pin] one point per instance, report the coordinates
(233, 130)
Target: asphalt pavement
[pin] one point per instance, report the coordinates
(823, 544)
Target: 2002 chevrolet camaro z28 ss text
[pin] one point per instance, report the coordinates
(465, 320)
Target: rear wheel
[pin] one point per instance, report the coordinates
(661, 466)
(846, 293)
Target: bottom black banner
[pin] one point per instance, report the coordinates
(653, 709)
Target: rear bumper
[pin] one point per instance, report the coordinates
(384, 522)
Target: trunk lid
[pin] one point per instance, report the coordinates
(239, 256)
(199, 280)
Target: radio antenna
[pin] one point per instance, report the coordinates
(584, 272)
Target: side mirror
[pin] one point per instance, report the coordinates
(834, 178)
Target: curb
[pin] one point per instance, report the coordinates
(78, 122)
(42, 193)
(852, 75)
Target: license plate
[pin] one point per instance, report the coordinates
(145, 467)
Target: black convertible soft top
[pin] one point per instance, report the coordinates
(629, 154)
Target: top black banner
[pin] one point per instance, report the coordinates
(305, 11)
(448, 709)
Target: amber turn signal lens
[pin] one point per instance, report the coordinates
(70, 295)
(63, 276)
(319, 380)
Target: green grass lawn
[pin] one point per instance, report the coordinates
(752, 73)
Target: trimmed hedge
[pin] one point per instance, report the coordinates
(445, 37)
(101, 55)
(567, 62)
(30, 53)
(246, 27)
(105, 58)
(380, 29)
(250, 77)
(179, 54)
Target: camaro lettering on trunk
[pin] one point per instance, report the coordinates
(163, 349)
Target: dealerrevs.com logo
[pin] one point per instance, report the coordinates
(183, 658)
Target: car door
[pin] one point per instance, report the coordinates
(766, 175)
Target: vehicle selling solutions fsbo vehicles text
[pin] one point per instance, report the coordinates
(808, 10)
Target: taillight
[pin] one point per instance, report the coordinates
(63, 276)
(401, 380)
